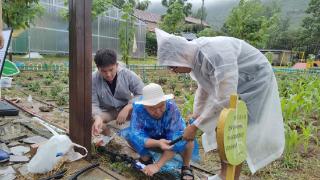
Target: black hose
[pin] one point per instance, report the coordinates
(83, 170)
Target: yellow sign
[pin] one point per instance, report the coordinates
(232, 133)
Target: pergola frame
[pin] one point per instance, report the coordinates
(80, 72)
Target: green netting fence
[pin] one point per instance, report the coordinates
(139, 67)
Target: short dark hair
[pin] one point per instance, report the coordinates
(105, 57)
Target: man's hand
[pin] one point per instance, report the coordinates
(190, 133)
(151, 169)
(164, 144)
(97, 126)
(123, 114)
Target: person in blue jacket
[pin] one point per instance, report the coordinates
(155, 122)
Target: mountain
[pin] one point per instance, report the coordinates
(218, 10)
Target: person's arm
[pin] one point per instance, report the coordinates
(225, 76)
(95, 98)
(151, 169)
(96, 111)
(135, 86)
(163, 144)
(200, 100)
(138, 135)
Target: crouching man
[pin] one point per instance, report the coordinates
(155, 122)
(112, 90)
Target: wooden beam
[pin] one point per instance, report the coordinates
(80, 72)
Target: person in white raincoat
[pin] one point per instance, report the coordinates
(222, 66)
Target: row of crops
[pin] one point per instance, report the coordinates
(300, 101)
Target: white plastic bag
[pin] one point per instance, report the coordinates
(49, 154)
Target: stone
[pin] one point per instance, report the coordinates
(7, 170)
(46, 108)
(8, 177)
(20, 121)
(14, 143)
(35, 140)
(15, 158)
(4, 147)
(19, 150)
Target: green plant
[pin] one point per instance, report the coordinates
(151, 44)
(187, 105)
(65, 79)
(54, 91)
(269, 56)
(293, 139)
(47, 81)
(308, 134)
(40, 75)
(172, 84)
(62, 100)
(177, 93)
(43, 92)
(34, 86)
(126, 32)
(207, 32)
(162, 80)
(20, 14)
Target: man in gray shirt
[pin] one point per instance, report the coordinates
(112, 90)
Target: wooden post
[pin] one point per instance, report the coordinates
(80, 69)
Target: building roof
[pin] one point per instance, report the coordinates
(147, 16)
(193, 20)
(152, 17)
(300, 66)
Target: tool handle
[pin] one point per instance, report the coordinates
(175, 141)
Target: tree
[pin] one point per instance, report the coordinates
(174, 19)
(20, 13)
(101, 6)
(137, 4)
(127, 30)
(207, 32)
(142, 5)
(186, 6)
(249, 21)
(311, 23)
(98, 7)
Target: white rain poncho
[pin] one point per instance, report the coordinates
(222, 66)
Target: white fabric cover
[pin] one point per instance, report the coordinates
(222, 66)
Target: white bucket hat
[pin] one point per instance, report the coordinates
(152, 94)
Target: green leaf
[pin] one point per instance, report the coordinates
(10, 69)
